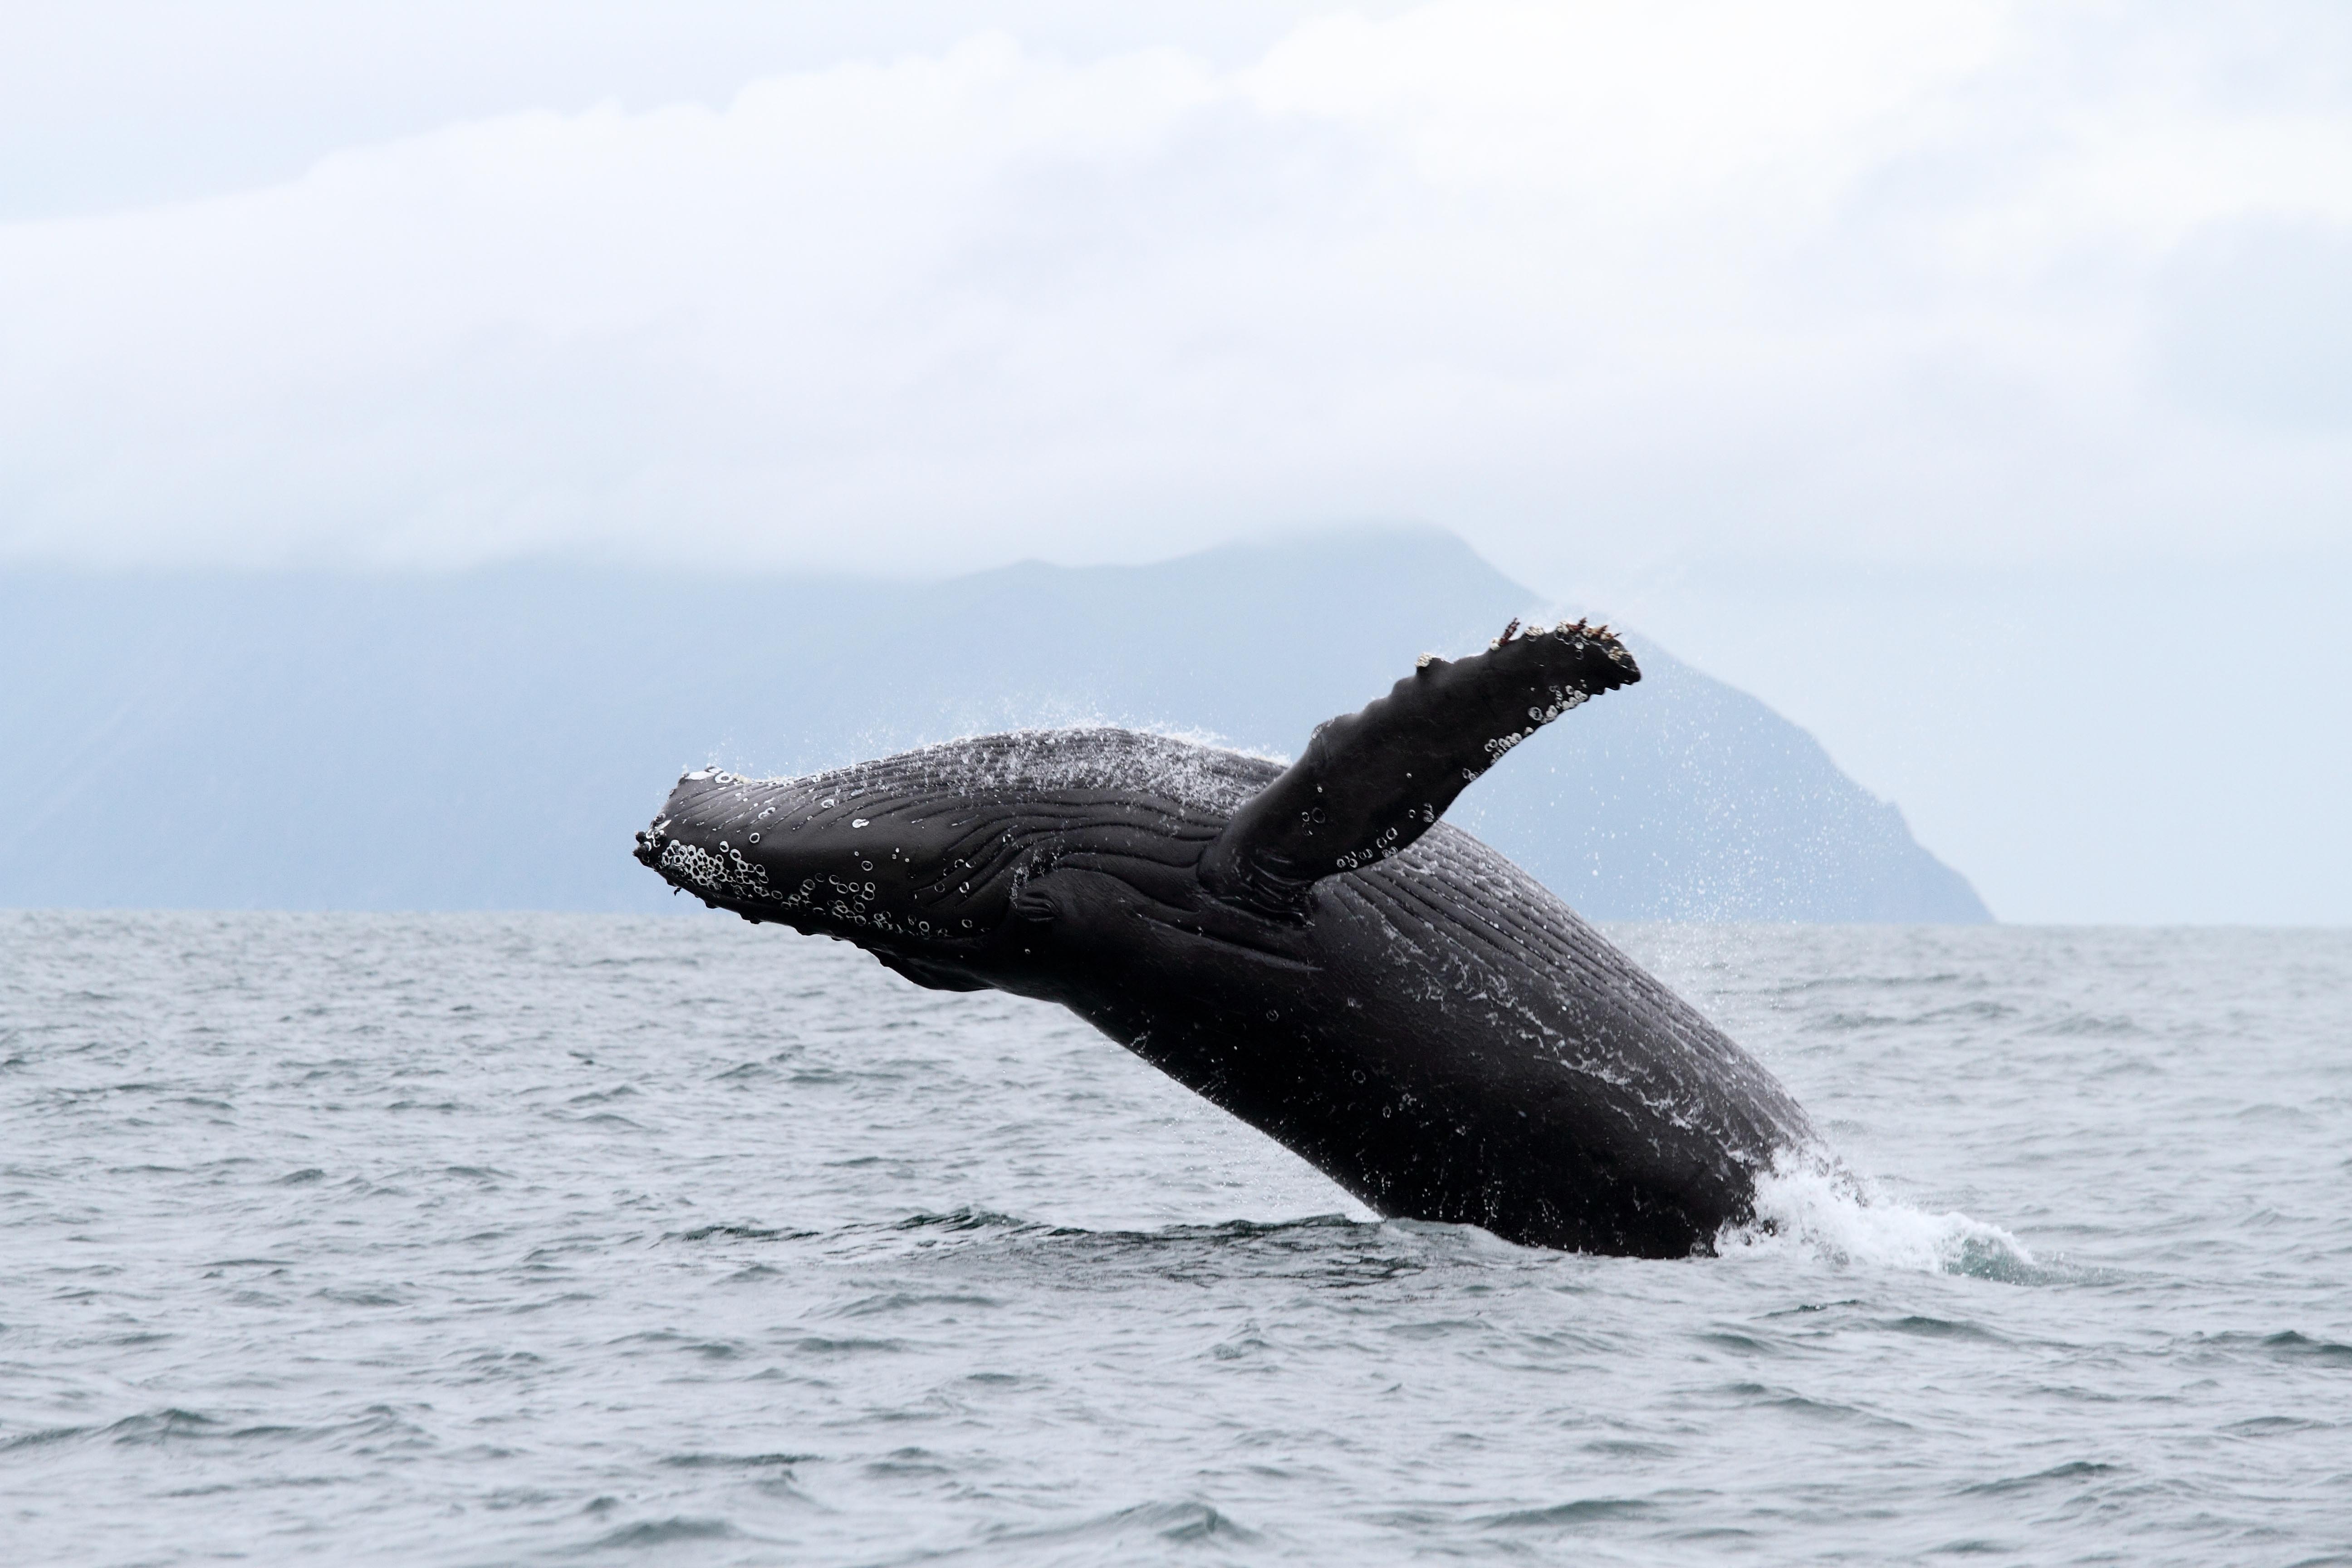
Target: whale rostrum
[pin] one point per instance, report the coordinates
(1310, 948)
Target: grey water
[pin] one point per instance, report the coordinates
(482, 1239)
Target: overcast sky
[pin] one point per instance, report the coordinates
(1973, 381)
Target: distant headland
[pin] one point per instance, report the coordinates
(482, 740)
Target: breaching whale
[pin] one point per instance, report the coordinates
(1308, 947)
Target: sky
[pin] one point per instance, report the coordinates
(1973, 382)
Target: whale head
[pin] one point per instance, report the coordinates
(922, 858)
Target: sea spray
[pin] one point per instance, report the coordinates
(1809, 1200)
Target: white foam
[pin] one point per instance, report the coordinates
(1809, 1201)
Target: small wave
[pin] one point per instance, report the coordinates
(634, 1538)
(823, 1344)
(2092, 1025)
(964, 1218)
(41, 1438)
(1929, 1328)
(161, 1426)
(1190, 1523)
(1808, 1201)
(1584, 1510)
(889, 1301)
(2302, 1347)
(742, 1233)
(2079, 1470)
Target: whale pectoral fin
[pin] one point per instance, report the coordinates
(1371, 783)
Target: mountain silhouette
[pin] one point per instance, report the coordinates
(491, 738)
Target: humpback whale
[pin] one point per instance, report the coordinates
(1310, 948)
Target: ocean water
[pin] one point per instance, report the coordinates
(580, 1241)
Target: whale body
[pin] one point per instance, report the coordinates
(1309, 948)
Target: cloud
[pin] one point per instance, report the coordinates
(2252, 323)
(1628, 282)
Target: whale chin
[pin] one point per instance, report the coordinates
(926, 973)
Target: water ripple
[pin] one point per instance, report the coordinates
(519, 1239)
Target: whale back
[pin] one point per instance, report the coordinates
(1041, 766)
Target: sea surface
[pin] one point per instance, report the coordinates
(550, 1239)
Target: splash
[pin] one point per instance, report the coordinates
(1809, 1201)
